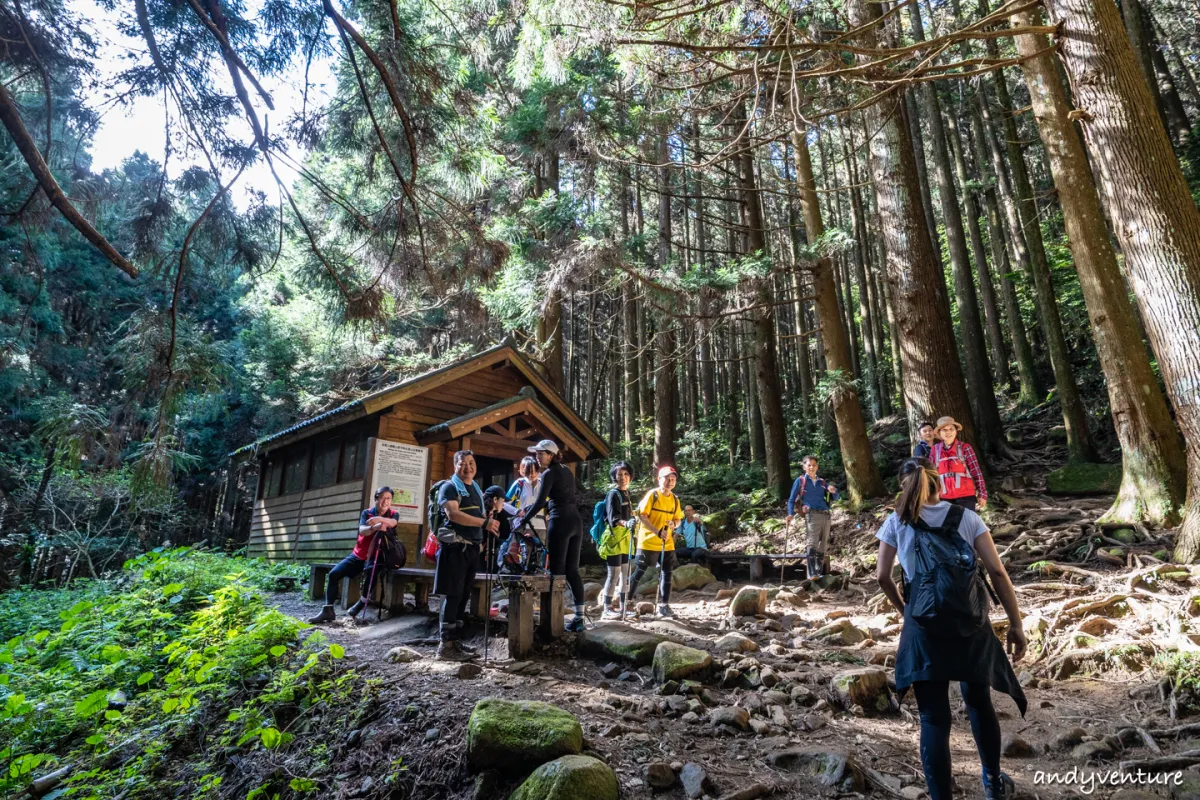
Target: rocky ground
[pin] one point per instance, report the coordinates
(783, 690)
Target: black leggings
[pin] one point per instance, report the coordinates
(349, 567)
(933, 703)
(965, 502)
(564, 535)
(648, 559)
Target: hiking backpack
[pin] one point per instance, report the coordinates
(433, 519)
(948, 596)
(599, 521)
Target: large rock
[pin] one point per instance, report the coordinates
(621, 642)
(840, 632)
(1081, 478)
(734, 642)
(691, 576)
(591, 592)
(677, 661)
(866, 687)
(733, 716)
(569, 778)
(749, 600)
(518, 735)
(695, 780)
(829, 767)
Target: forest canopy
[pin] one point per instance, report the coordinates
(730, 233)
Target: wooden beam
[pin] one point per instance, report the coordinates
(420, 386)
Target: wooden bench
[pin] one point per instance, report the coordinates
(522, 592)
(759, 563)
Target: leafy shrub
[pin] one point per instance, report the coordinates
(182, 641)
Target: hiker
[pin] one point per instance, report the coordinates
(466, 521)
(564, 531)
(658, 515)
(617, 541)
(813, 494)
(694, 536)
(926, 438)
(928, 658)
(380, 517)
(524, 490)
(957, 467)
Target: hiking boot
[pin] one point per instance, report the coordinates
(576, 625)
(999, 788)
(357, 608)
(469, 648)
(611, 613)
(450, 650)
(326, 615)
(665, 611)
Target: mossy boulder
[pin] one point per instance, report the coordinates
(1084, 478)
(517, 735)
(749, 600)
(717, 523)
(620, 642)
(676, 661)
(691, 576)
(1124, 535)
(866, 687)
(569, 778)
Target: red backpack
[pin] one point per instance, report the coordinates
(952, 470)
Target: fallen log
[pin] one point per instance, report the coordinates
(1189, 758)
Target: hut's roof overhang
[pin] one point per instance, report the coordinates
(586, 438)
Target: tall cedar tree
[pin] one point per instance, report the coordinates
(1153, 214)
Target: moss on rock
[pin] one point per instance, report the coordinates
(517, 735)
(1083, 478)
(676, 661)
(620, 642)
(691, 576)
(569, 778)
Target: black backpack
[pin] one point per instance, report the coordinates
(948, 596)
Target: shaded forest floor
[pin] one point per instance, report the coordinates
(1104, 633)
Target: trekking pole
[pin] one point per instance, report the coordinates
(487, 591)
(787, 526)
(374, 551)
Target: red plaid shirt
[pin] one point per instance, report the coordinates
(972, 462)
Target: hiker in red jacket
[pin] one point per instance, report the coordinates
(958, 469)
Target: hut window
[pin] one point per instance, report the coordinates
(272, 478)
(325, 464)
(295, 470)
(354, 456)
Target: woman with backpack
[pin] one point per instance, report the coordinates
(564, 530)
(524, 490)
(947, 635)
(957, 467)
(659, 513)
(616, 540)
(377, 521)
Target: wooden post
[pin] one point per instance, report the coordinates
(551, 625)
(520, 623)
(351, 591)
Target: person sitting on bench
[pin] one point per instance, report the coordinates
(694, 537)
(380, 517)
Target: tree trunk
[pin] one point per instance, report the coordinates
(665, 398)
(1177, 117)
(988, 428)
(862, 476)
(1154, 464)
(912, 123)
(933, 379)
(859, 257)
(987, 290)
(1154, 216)
(1025, 236)
(766, 359)
(1140, 37)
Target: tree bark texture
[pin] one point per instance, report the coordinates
(862, 476)
(1154, 464)
(1154, 217)
(665, 395)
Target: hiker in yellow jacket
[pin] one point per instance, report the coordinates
(659, 514)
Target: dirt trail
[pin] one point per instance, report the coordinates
(1094, 631)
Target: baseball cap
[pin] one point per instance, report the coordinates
(544, 446)
(667, 470)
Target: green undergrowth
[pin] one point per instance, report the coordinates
(144, 685)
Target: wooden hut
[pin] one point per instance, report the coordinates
(316, 476)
